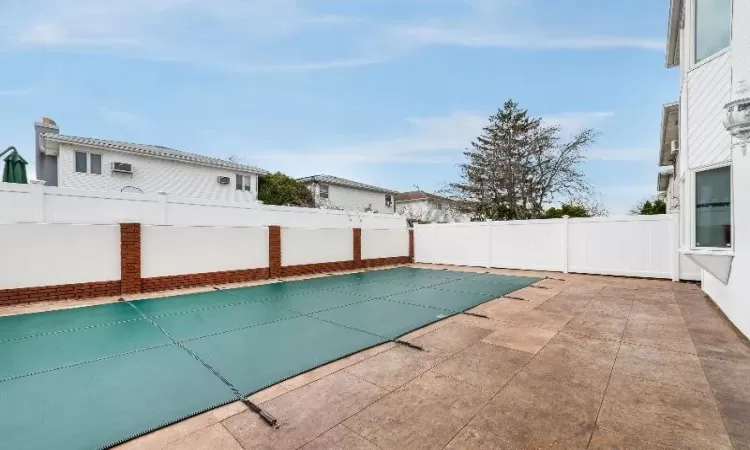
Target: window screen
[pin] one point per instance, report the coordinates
(713, 217)
(323, 191)
(96, 163)
(238, 185)
(713, 22)
(81, 162)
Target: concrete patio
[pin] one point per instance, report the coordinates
(588, 362)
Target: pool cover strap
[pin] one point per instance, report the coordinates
(265, 415)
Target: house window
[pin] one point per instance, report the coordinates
(244, 183)
(388, 200)
(323, 191)
(713, 23)
(81, 162)
(96, 163)
(713, 214)
(86, 161)
(439, 206)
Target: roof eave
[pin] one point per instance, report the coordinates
(673, 34)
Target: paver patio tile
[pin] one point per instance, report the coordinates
(664, 414)
(646, 308)
(610, 306)
(576, 359)
(484, 365)
(659, 332)
(663, 366)
(268, 393)
(583, 287)
(452, 338)
(532, 412)
(215, 437)
(713, 337)
(394, 367)
(730, 382)
(499, 308)
(471, 439)
(609, 440)
(638, 293)
(182, 429)
(540, 319)
(566, 303)
(430, 410)
(740, 442)
(304, 413)
(340, 438)
(527, 339)
(597, 325)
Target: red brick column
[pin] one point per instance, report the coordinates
(274, 251)
(130, 258)
(357, 238)
(411, 245)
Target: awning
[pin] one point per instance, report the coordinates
(15, 168)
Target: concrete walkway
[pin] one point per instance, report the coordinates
(589, 362)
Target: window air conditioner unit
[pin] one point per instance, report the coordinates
(223, 180)
(674, 147)
(122, 167)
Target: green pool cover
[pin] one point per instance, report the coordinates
(96, 376)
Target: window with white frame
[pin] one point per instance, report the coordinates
(713, 24)
(244, 183)
(388, 200)
(88, 163)
(713, 213)
(323, 189)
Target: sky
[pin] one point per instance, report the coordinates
(386, 92)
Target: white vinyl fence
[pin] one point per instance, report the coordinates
(37, 203)
(384, 243)
(316, 245)
(642, 246)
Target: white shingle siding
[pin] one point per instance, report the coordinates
(151, 175)
(351, 199)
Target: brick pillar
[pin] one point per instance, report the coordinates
(411, 245)
(130, 258)
(274, 251)
(357, 242)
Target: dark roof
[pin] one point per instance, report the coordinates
(152, 150)
(418, 195)
(330, 179)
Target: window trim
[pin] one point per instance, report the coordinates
(88, 170)
(247, 181)
(694, 44)
(693, 202)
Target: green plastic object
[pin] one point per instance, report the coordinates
(383, 318)
(51, 351)
(205, 322)
(94, 376)
(24, 325)
(456, 302)
(99, 404)
(257, 357)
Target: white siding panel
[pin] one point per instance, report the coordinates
(151, 175)
(528, 244)
(384, 243)
(52, 254)
(352, 199)
(174, 250)
(708, 90)
(311, 246)
(633, 246)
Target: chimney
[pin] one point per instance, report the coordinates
(46, 165)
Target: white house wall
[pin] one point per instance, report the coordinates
(319, 245)
(54, 254)
(352, 199)
(175, 250)
(151, 175)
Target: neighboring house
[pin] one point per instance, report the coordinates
(423, 207)
(102, 165)
(340, 193)
(704, 143)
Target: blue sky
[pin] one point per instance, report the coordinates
(387, 92)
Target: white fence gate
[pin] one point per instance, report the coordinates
(642, 246)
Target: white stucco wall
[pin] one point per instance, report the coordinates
(52, 254)
(151, 175)
(311, 246)
(176, 250)
(384, 243)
